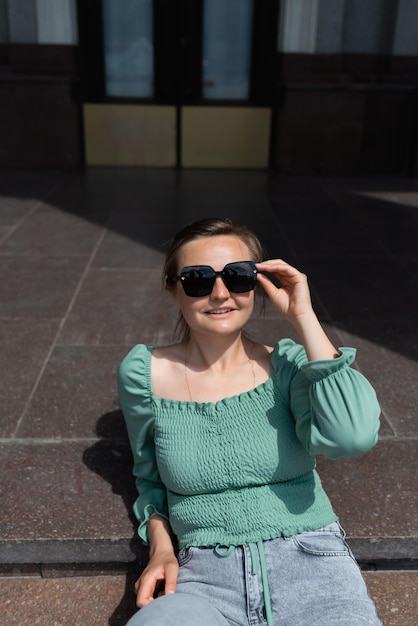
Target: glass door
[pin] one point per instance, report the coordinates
(225, 129)
(178, 82)
(227, 45)
(129, 48)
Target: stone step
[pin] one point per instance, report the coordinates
(69, 502)
(109, 600)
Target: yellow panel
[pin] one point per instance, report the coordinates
(225, 137)
(130, 135)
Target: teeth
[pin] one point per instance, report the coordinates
(219, 311)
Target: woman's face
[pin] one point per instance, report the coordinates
(221, 312)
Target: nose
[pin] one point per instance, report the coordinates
(219, 291)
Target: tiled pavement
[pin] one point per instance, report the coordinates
(80, 263)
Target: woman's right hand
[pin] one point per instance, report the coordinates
(162, 567)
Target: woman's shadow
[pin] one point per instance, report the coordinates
(111, 458)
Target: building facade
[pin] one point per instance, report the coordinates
(313, 87)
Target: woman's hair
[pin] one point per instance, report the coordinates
(208, 227)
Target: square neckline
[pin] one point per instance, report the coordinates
(228, 400)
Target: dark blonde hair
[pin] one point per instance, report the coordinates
(208, 227)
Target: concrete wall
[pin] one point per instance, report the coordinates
(39, 112)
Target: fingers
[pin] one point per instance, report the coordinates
(269, 263)
(269, 287)
(147, 584)
(171, 573)
(279, 267)
(145, 588)
(288, 276)
(292, 297)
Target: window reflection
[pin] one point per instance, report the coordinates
(227, 29)
(129, 49)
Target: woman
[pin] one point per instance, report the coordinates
(224, 433)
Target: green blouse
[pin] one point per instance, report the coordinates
(243, 469)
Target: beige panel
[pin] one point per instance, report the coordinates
(130, 135)
(225, 137)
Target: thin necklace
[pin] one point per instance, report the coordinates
(250, 361)
(185, 372)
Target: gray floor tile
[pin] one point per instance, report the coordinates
(13, 210)
(77, 388)
(120, 307)
(34, 287)
(63, 491)
(80, 601)
(4, 231)
(24, 348)
(50, 231)
(388, 361)
(375, 497)
(395, 595)
(29, 184)
(136, 247)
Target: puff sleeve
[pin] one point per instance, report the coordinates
(134, 389)
(335, 408)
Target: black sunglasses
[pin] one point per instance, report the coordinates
(199, 280)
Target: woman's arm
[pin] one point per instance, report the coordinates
(162, 566)
(293, 301)
(335, 407)
(151, 505)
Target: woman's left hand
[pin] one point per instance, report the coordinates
(293, 301)
(293, 298)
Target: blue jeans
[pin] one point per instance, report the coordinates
(309, 579)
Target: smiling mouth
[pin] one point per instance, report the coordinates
(219, 311)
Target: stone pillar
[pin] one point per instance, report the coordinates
(38, 21)
(56, 21)
(330, 27)
(298, 22)
(406, 33)
(4, 22)
(368, 26)
(22, 21)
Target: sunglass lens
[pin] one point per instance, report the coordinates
(240, 277)
(198, 281)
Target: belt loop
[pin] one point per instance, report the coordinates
(342, 531)
(224, 551)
